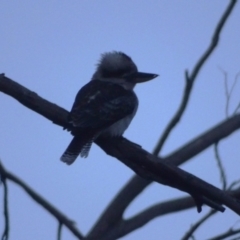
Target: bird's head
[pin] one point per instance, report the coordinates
(117, 67)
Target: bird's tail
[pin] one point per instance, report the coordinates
(77, 146)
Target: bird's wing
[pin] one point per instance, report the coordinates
(100, 104)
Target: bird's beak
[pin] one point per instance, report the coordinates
(140, 77)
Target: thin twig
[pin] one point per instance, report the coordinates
(59, 231)
(195, 226)
(204, 141)
(228, 93)
(233, 184)
(41, 201)
(228, 233)
(191, 79)
(5, 234)
(154, 211)
(238, 106)
(223, 176)
(234, 83)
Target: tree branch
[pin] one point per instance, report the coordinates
(40, 200)
(126, 226)
(172, 206)
(191, 79)
(32, 101)
(59, 231)
(205, 140)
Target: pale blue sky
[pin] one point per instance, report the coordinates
(51, 47)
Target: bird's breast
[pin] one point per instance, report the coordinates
(119, 127)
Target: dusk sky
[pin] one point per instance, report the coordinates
(52, 47)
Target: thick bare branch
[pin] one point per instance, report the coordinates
(31, 100)
(124, 227)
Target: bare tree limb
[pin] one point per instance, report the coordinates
(32, 101)
(126, 226)
(172, 206)
(147, 166)
(5, 234)
(40, 200)
(203, 141)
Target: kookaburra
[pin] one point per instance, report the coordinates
(106, 105)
